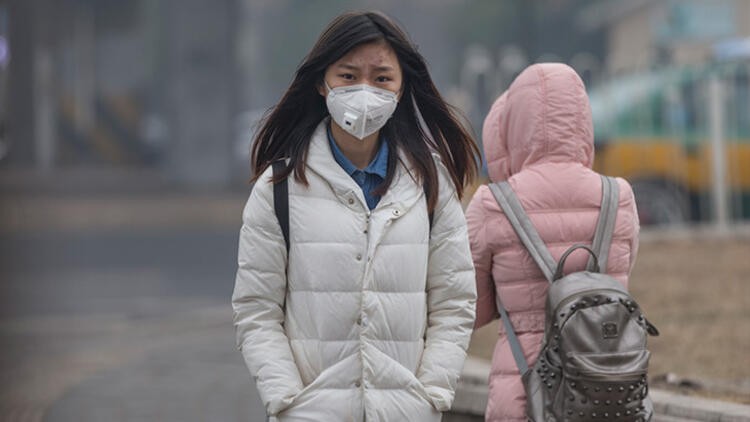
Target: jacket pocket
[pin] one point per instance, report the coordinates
(324, 404)
(608, 366)
(403, 399)
(388, 374)
(336, 378)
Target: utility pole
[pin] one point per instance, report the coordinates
(718, 154)
(200, 91)
(43, 91)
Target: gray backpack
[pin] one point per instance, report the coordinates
(593, 360)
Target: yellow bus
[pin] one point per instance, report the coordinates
(654, 130)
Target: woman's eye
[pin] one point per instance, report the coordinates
(347, 76)
(382, 79)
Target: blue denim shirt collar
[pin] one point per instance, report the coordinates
(378, 166)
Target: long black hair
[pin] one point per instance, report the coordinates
(286, 131)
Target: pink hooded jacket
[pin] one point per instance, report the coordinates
(538, 136)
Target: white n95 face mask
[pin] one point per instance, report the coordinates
(362, 109)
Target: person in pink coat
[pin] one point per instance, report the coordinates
(538, 136)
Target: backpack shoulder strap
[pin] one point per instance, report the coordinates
(515, 345)
(530, 238)
(605, 226)
(518, 218)
(281, 201)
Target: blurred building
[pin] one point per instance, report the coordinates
(101, 86)
(644, 34)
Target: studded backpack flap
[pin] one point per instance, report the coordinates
(593, 361)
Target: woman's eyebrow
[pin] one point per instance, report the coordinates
(383, 68)
(347, 66)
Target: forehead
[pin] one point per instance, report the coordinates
(377, 53)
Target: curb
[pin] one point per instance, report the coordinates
(60, 211)
(121, 212)
(698, 408)
(472, 391)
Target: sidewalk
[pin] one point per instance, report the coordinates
(93, 368)
(165, 210)
(190, 374)
(108, 199)
(185, 368)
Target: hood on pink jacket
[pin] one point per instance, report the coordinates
(544, 116)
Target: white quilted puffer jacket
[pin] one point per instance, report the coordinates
(372, 319)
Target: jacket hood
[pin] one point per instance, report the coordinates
(544, 116)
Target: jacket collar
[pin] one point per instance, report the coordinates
(401, 195)
(378, 166)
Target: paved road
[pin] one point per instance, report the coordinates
(120, 326)
(141, 272)
(186, 370)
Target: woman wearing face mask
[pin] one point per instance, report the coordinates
(368, 315)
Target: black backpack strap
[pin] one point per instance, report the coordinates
(281, 205)
(281, 200)
(430, 214)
